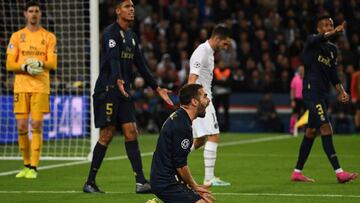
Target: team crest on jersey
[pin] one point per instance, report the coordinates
(185, 143)
(22, 37)
(112, 43)
(42, 42)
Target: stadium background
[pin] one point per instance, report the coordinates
(268, 37)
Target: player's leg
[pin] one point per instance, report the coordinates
(105, 113)
(106, 135)
(198, 142)
(328, 146)
(211, 145)
(178, 193)
(133, 152)
(306, 145)
(21, 110)
(22, 121)
(304, 151)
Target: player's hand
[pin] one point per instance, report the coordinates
(120, 84)
(205, 193)
(293, 104)
(343, 97)
(32, 66)
(163, 92)
(340, 28)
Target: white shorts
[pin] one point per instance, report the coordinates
(207, 125)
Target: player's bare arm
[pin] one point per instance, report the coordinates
(192, 78)
(164, 94)
(343, 96)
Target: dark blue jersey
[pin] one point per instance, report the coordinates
(119, 51)
(319, 59)
(172, 149)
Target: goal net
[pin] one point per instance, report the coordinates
(67, 129)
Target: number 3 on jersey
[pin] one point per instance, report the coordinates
(320, 109)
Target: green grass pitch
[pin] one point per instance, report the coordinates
(257, 165)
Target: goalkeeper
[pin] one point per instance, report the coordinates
(31, 54)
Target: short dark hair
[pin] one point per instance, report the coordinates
(189, 92)
(320, 18)
(31, 4)
(221, 31)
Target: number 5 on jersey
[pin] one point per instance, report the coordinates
(109, 109)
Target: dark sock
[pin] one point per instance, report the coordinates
(33, 167)
(304, 152)
(133, 153)
(330, 151)
(27, 165)
(98, 156)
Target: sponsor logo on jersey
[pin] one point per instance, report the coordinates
(324, 60)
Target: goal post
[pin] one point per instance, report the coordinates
(68, 132)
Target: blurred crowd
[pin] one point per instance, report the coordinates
(268, 38)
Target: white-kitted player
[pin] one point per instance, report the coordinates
(206, 130)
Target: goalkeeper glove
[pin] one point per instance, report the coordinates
(32, 66)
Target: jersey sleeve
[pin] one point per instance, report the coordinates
(12, 53)
(51, 55)
(181, 146)
(196, 63)
(142, 66)
(112, 54)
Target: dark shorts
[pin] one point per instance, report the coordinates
(317, 113)
(178, 193)
(299, 106)
(110, 109)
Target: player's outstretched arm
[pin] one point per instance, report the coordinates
(164, 94)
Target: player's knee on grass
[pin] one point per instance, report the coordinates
(310, 133)
(325, 129)
(106, 135)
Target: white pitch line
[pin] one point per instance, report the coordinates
(216, 194)
(150, 153)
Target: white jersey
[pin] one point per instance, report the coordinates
(202, 65)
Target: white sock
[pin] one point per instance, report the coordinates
(297, 170)
(209, 159)
(339, 170)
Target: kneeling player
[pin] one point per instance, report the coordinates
(169, 164)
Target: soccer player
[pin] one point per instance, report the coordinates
(297, 102)
(170, 178)
(113, 105)
(320, 70)
(31, 54)
(201, 72)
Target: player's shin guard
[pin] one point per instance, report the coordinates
(98, 156)
(36, 146)
(210, 159)
(133, 153)
(24, 147)
(330, 151)
(304, 152)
